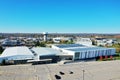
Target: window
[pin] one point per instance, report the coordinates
(106, 52)
(103, 52)
(86, 54)
(77, 54)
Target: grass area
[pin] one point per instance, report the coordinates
(117, 58)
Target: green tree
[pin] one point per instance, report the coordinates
(37, 43)
(1, 49)
(94, 42)
(40, 44)
(117, 47)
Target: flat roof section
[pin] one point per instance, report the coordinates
(45, 51)
(70, 45)
(14, 51)
(87, 49)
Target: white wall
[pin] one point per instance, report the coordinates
(95, 53)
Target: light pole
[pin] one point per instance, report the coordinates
(83, 73)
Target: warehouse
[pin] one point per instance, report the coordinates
(80, 52)
(16, 55)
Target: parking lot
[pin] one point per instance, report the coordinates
(103, 70)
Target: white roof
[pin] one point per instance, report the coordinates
(63, 46)
(79, 47)
(16, 51)
(45, 51)
(88, 49)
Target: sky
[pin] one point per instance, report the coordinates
(61, 16)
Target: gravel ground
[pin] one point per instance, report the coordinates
(106, 70)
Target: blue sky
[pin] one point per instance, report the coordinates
(68, 16)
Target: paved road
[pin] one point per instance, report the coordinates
(107, 70)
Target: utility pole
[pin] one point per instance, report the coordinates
(83, 73)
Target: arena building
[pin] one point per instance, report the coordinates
(80, 52)
(55, 54)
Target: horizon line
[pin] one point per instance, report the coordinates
(56, 33)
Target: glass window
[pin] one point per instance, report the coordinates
(86, 54)
(77, 54)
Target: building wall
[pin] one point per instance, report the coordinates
(53, 57)
(85, 54)
(93, 53)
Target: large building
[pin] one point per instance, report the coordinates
(56, 53)
(43, 54)
(24, 54)
(17, 54)
(80, 52)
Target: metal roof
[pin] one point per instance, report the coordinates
(88, 49)
(69, 45)
(45, 51)
(14, 51)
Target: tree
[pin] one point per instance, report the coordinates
(1, 49)
(66, 42)
(41, 44)
(37, 43)
(117, 47)
(94, 42)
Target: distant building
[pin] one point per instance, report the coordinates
(8, 42)
(59, 39)
(104, 41)
(84, 41)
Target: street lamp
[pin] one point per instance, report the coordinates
(83, 73)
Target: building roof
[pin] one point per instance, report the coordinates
(88, 49)
(79, 47)
(69, 45)
(45, 51)
(16, 51)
